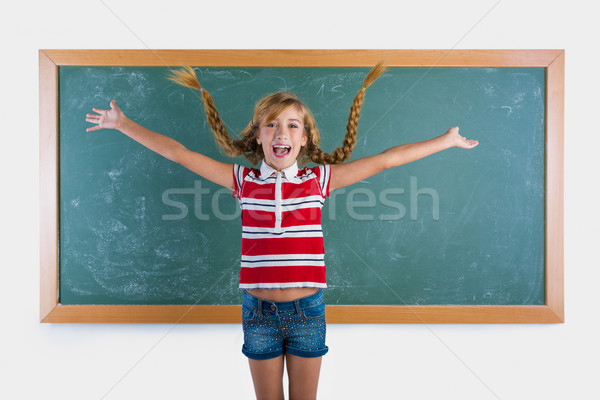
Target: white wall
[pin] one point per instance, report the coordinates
(365, 362)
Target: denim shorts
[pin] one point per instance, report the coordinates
(273, 328)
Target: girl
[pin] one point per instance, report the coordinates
(282, 267)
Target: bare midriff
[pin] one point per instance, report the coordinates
(282, 294)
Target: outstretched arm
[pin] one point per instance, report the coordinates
(355, 171)
(213, 170)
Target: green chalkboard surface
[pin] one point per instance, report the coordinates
(457, 228)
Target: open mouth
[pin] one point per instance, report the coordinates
(281, 150)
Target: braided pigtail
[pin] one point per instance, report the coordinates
(187, 77)
(342, 153)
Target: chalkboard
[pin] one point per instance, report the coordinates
(461, 228)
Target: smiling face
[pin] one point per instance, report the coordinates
(282, 138)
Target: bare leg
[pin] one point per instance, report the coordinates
(267, 376)
(303, 374)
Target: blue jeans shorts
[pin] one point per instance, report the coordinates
(273, 328)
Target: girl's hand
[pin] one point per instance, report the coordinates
(110, 119)
(459, 141)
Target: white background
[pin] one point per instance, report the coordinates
(70, 361)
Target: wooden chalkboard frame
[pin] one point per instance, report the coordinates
(552, 60)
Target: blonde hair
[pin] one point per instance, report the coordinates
(270, 107)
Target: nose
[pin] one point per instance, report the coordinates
(282, 131)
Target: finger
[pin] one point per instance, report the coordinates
(98, 110)
(93, 128)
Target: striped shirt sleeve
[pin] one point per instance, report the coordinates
(324, 178)
(239, 172)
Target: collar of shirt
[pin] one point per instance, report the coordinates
(289, 173)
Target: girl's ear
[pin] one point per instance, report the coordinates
(304, 139)
(256, 133)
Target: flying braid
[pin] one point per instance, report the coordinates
(187, 77)
(342, 153)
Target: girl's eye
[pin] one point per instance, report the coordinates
(293, 126)
(272, 125)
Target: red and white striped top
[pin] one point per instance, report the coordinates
(282, 239)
